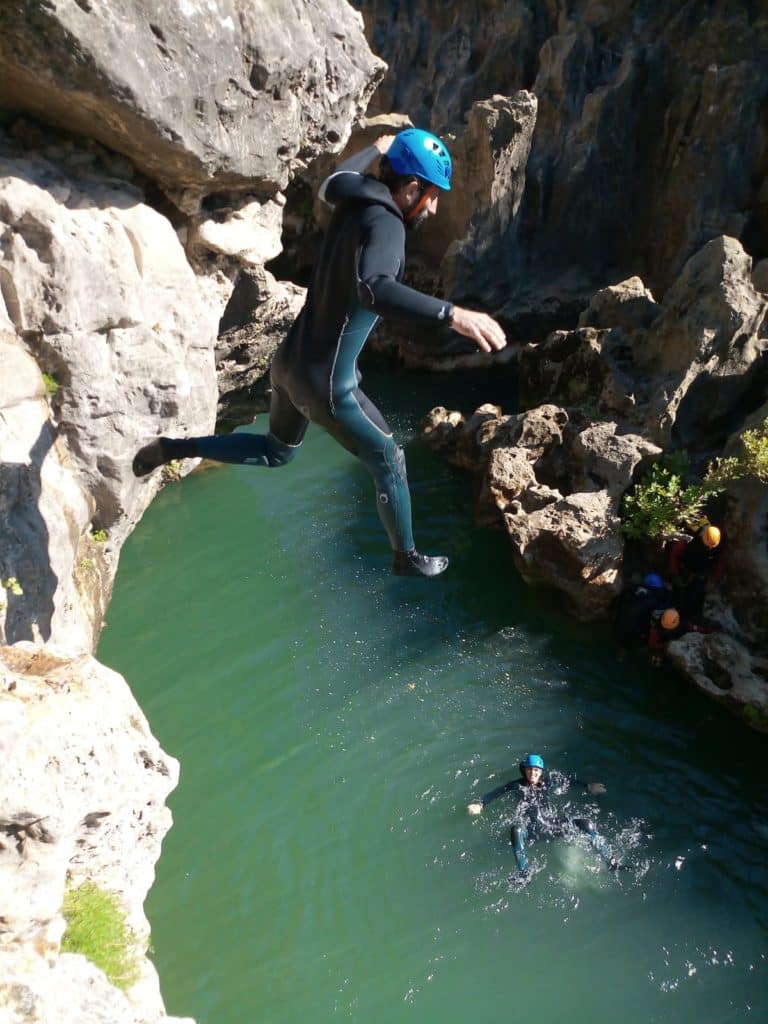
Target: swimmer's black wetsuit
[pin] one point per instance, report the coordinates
(536, 818)
(314, 372)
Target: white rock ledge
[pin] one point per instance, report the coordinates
(83, 785)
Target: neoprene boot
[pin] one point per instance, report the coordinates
(411, 563)
(160, 451)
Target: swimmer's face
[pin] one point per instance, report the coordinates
(533, 775)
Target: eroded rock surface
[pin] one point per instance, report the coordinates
(83, 785)
(555, 482)
(635, 378)
(201, 96)
(649, 135)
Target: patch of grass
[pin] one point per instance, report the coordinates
(100, 536)
(51, 384)
(12, 584)
(171, 471)
(97, 928)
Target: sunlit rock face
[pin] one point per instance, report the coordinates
(554, 481)
(82, 797)
(649, 137)
(201, 95)
(636, 377)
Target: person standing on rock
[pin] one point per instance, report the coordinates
(357, 279)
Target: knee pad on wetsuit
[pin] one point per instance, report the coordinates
(278, 452)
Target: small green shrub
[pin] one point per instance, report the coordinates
(12, 584)
(100, 536)
(662, 504)
(97, 928)
(51, 384)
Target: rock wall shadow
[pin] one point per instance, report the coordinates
(25, 546)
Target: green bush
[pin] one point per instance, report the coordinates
(51, 384)
(662, 504)
(97, 928)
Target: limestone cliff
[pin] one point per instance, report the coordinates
(143, 150)
(649, 140)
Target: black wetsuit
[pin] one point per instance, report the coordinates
(536, 818)
(314, 372)
(633, 612)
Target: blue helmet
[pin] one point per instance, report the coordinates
(533, 761)
(422, 154)
(654, 581)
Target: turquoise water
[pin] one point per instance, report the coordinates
(332, 723)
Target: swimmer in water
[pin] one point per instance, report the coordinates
(536, 818)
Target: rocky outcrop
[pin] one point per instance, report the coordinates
(687, 371)
(76, 803)
(554, 480)
(97, 288)
(266, 309)
(200, 96)
(635, 378)
(726, 670)
(649, 137)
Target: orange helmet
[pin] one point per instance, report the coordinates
(670, 618)
(710, 536)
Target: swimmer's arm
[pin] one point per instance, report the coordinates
(477, 805)
(595, 788)
(379, 265)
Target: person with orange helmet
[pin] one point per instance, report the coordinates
(666, 625)
(695, 563)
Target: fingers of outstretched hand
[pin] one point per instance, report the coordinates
(486, 333)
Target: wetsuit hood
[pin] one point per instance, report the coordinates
(349, 185)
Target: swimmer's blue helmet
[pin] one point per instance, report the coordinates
(654, 581)
(422, 154)
(533, 761)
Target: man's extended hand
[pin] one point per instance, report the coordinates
(481, 328)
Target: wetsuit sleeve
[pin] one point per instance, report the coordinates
(333, 188)
(499, 791)
(380, 259)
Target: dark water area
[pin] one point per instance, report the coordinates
(332, 723)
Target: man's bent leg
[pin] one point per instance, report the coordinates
(275, 449)
(360, 427)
